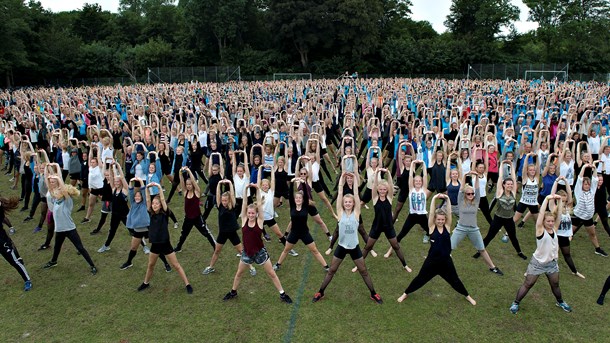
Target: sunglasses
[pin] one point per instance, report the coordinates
(469, 193)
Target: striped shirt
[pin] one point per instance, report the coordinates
(585, 201)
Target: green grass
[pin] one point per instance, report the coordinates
(67, 304)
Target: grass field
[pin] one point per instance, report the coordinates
(67, 304)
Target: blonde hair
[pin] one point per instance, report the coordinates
(384, 183)
(469, 188)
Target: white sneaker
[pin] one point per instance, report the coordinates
(208, 270)
(175, 225)
(238, 255)
(275, 215)
(103, 249)
(293, 253)
(253, 272)
(426, 239)
(146, 250)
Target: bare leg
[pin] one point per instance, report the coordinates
(241, 269)
(92, 201)
(174, 262)
(152, 261)
(314, 250)
(273, 276)
(287, 248)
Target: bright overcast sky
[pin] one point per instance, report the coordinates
(433, 11)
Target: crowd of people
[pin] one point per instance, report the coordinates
(358, 149)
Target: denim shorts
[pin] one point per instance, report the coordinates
(259, 258)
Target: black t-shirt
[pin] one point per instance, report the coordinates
(227, 219)
(157, 231)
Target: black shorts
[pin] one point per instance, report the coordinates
(269, 223)
(138, 234)
(231, 236)
(161, 248)
(403, 195)
(341, 252)
(493, 177)
(367, 195)
(521, 207)
(563, 241)
(260, 258)
(294, 237)
(75, 176)
(323, 152)
(312, 210)
(376, 233)
(578, 222)
(317, 186)
(279, 193)
(519, 179)
(96, 191)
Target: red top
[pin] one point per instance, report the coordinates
(253, 241)
(191, 207)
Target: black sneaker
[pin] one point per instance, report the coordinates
(600, 300)
(85, 221)
(94, 232)
(126, 265)
(230, 296)
(168, 268)
(285, 298)
(177, 249)
(143, 286)
(44, 247)
(49, 265)
(23, 209)
(521, 225)
(496, 270)
(80, 209)
(93, 270)
(27, 219)
(189, 289)
(477, 255)
(523, 256)
(600, 252)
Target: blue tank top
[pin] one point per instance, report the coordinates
(452, 192)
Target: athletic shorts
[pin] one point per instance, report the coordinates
(269, 223)
(75, 176)
(231, 236)
(403, 195)
(563, 241)
(138, 234)
(376, 233)
(106, 206)
(279, 193)
(578, 222)
(312, 210)
(317, 186)
(493, 176)
(323, 152)
(259, 258)
(537, 268)
(367, 195)
(84, 183)
(161, 248)
(341, 252)
(96, 191)
(293, 238)
(521, 207)
(473, 233)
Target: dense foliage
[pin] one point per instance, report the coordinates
(317, 36)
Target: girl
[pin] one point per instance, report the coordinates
(119, 206)
(348, 210)
(530, 189)
(7, 247)
(544, 260)
(584, 193)
(481, 168)
(254, 248)
(159, 238)
(438, 261)
(95, 181)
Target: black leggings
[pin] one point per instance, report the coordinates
(26, 184)
(210, 201)
(606, 288)
(115, 220)
(175, 185)
(433, 267)
(484, 207)
(73, 236)
(603, 218)
(35, 203)
(509, 226)
(11, 255)
(530, 280)
(411, 221)
(197, 222)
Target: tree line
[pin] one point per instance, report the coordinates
(316, 36)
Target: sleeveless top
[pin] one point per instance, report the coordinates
(506, 206)
(529, 194)
(348, 231)
(565, 226)
(440, 245)
(240, 185)
(191, 207)
(452, 192)
(119, 204)
(417, 202)
(383, 215)
(253, 241)
(546, 248)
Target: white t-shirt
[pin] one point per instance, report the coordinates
(567, 170)
(529, 193)
(595, 144)
(240, 185)
(268, 209)
(96, 179)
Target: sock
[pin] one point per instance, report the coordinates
(282, 293)
(132, 254)
(560, 300)
(516, 302)
(283, 240)
(328, 234)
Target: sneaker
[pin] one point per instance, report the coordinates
(522, 256)
(496, 270)
(276, 267)
(295, 254)
(521, 225)
(80, 209)
(87, 220)
(11, 231)
(146, 250)
(208, 270)
(94, 232)
(178, 249)
(189, 289)
(44, 247)
(143, 286)
(168, 268)
(285, 298)
(27, 219)
(103, 249)
(275, 215)
(27, 286)
(37, 229)
(317, 297)
(600, 300)
(426, 239)
(600, 252)
(330, 238)
(267, 237)
(327, 269)
(377, 298)
(49, 265)
(238, 255)
(514, 308)
(93, 270)
(253, 271)
(175, 225)
(564, 306)
(23, 209)
(126, 265)
(230, 295)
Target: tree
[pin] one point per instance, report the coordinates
(93, 24)
(14, 31)
(481, 19)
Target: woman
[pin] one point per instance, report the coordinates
(227, 225)
(62, 205)
(299, 230)
(438, 261)
(119, 206)
(138, 221)
(505, 197)
(530, 189)
(159, 238)
(348, 210)
(544, 260)
(481, 168)
(7, 247)
(418, 193)
(254, 248)
(468, 205)
(192, 211)
(95, 182)
(605, 290)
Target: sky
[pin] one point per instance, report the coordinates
(434, 11)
